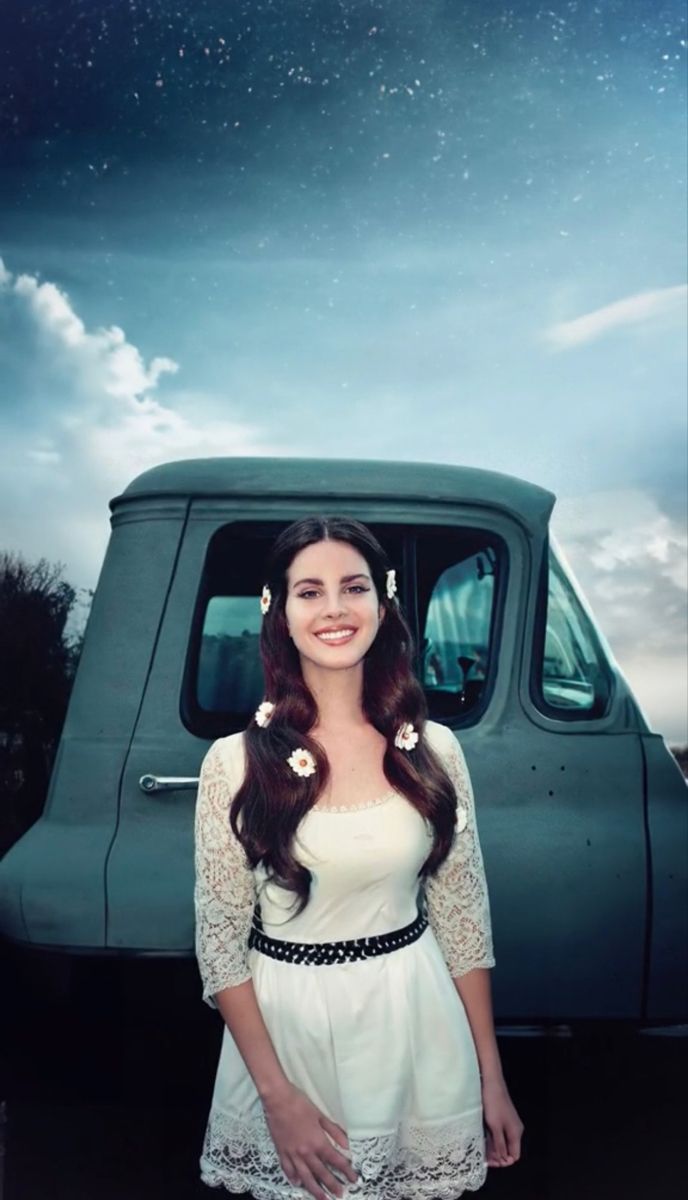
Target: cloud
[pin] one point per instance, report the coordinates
(631, 561)
(117, 365)
(632, 310)
(85, 415)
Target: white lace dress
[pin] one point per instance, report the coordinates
(381, 1045)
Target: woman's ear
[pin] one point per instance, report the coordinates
(383, 610)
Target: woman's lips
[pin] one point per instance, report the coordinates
(340, 640)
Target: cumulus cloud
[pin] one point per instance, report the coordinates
(85, 416)
(632, 310)
(631, 561)
(104, 357)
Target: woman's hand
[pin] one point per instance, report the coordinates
(300, 1133)
(504, 1126)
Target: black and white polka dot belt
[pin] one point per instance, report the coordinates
(328, 953)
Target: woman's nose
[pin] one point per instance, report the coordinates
(335, 605)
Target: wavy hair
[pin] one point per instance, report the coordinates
(272, 799)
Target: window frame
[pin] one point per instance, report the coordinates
(203, 722)
(569, 716)
(208, 724)
(496, 627)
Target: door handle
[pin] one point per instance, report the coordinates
(166, 783)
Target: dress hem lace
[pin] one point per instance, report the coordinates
(438, 1161)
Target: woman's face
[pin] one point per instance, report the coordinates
(329, 588)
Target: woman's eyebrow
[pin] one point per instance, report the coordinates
(344, 579)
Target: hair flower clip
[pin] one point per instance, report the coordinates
(461, 818)
(263, 713)
(406, 737)
(302, 762)
(391, 584)
(265, 599)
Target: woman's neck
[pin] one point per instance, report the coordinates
(339, 697)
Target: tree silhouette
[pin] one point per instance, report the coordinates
(37, 665)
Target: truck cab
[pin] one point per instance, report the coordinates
(581, 808)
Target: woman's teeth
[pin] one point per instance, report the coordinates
(336, 637)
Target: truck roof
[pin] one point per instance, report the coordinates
(339, 478)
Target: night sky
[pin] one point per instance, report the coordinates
(434, 231)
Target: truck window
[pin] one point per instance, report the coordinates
(229, 673)
(223, 681)
(223, 677)
(572, 679)
(458, 584)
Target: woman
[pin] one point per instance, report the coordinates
(342, 916)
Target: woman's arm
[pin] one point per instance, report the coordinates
(459, 908)
(298, 1128)
(242, 1016)
(224, 899)
(457, 897)
(475, 990)
(459, 911)
(504, 1126)
(224, 887)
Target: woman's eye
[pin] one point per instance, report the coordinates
(357, 587)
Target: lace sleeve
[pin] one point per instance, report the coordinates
(224, 888)
(457, 898)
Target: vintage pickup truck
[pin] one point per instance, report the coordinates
(582, 809)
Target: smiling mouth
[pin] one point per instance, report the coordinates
(336, 639)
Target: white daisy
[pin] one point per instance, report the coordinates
(302, 762)
(391, 584)
(263, 713)
(265, 599)
(406, 737)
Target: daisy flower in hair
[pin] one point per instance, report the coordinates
(406, 737)
(302, 762)
(263, 713)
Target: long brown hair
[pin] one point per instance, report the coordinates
(272, 799)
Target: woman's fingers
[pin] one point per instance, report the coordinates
(313, 1149)
(344, 1167)
(513, 1142)
(335, 1131)
(500, 1144)
(498, 1129)
(323, 1167)
(504, 1126)
(497, 1151)
(490, 1153)
(513, 1131)
(503, 1146)
(290, 1170)
(338, 1160)
(313, 1181)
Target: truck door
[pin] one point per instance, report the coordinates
(547, 724)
